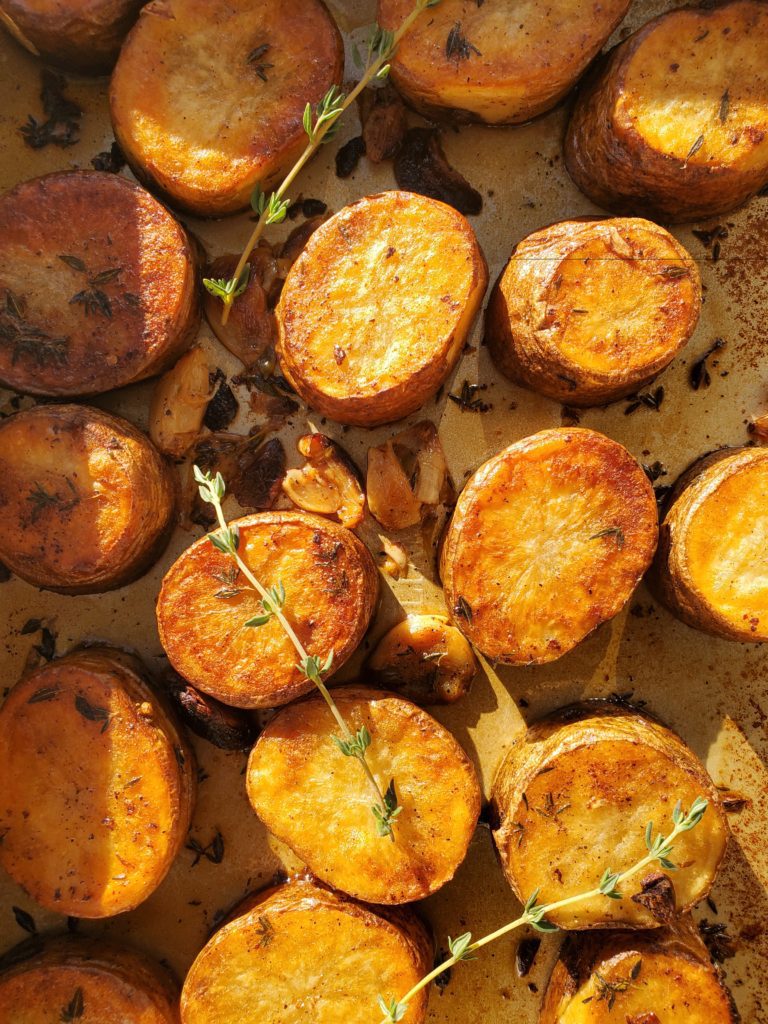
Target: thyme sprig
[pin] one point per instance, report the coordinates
(660, 848)
(319, 125)
(273, 599)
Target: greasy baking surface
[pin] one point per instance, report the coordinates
(710, 690)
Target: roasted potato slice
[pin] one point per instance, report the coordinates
(548, 539)
(502, 62)
(588, 311)
(639, 978)
(87, 501)
(208, 96)
(301, 952)
(332, 585)
(675, 125)
(98, 285)
(589, 778)
(73, 979)
(77, 35)
(376, 309)
(98, 785)
(710, 569)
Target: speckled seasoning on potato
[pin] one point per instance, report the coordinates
(575, 793)
(375, 311)
(588, 311)
(87, 502)
(548, 539)
(98, 785)
(675, 124)
(435, 781)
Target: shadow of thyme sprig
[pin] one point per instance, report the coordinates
(660, 850)
(320, 125)
(273, 599)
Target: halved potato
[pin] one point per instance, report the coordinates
(711, 568)
(301, 952)
(641, 979)
(98, 285)
(331, 584)
(675, 125)
(98, 785)
(208, 96)
(78, 35)
(502, 62)
(588, 311)
(573, 797)
(87, 502)
(75, 979)
(435, 783)
(548, 539)
(376, 309)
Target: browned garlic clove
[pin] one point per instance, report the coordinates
(328, 484)
(179, 402)
(251, 326)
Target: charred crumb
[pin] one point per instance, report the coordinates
(5, 573)
(466, 399)
(657, 895)
(348, 156)
(526, 955)
(720, 944)
(662, 492)
(699, 376)
(111, 161)
(62, 126)
(654, 470)
(47, 646)
(24, 920)
(306, 208)
(570, 417)
(223, 407)
(421, 166)
(442, 981)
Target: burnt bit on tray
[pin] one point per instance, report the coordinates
(699, 376)
(307, 208)
(111, 160)
(225, 727)
(720, 944)
(348, 156)
(223, 407)
(62, 124)
(421, 166)
(526, 955)
(384, 121)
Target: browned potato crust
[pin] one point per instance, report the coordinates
(301, 952)
(332, 585)
(98, 785)
(208, 96)
(87, 502)
(375, 311)
(710, 569)
(675, 125)
(98, 285)
(76, 979)
(78, 35)
(588, 311)
(643, 979)
(502, 62)
(548, 539)
(435, 782)
(574, 795)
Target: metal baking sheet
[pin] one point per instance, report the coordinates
(711, 691)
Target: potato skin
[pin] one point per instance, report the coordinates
(77, 35)
(633, 147)
(368, 338)
(91, 836)
(588, 311)
(87, 502)
(674, 976)
(708, 568)
(121, 983)
(578, 790)
(332, 586)
(98, 285)
(435, 782)
(530, 54)
(596, 514)
(341, 955)
(203, 113)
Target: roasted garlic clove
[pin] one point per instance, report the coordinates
(251, 326)
(328, 483)
(179, 402)
(407, 476)
(394, 558)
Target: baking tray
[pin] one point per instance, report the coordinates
(711, 691)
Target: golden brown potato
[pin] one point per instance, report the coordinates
(87, 502)
(502, 62)
(98, 285)
(573, 796)
(711, 562)
(548, 539)
(75, 979)
(435, 783)
(588, 311)
(301, 952)
(376, 309)
(639, 978)
(331, 584)
(208, 96)
(98, 785)
(675, 125)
